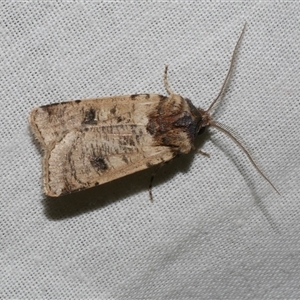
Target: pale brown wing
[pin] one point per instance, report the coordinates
(51, 122)
(96, 155)
(90, 142)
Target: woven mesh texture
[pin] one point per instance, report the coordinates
(216, 229)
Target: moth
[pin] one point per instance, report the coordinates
(90, 142)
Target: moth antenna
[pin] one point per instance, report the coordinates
(230, 69)
(238, 141)
(170, 92)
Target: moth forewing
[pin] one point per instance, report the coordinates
(91, 142)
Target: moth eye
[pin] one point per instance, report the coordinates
(202, 129)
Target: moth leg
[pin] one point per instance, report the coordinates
(151, 180)
(203, 153)
(150, 188)
(170, 92)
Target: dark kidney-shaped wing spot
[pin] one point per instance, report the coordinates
(89, 117)
(98, 162)
(189, 125)
(184, 121)
(113, 110)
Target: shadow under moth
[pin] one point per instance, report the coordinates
(90, 142)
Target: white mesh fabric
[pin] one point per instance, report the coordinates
(216, 229)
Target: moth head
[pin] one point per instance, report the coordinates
(206, 120)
